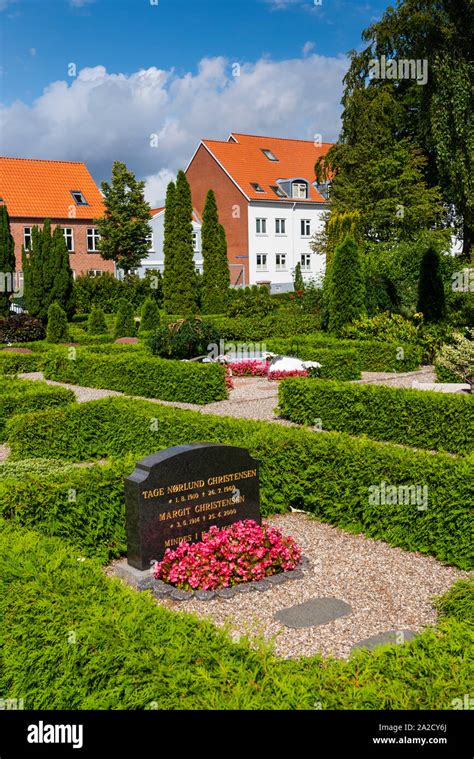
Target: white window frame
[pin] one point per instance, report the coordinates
(299, 190)
(305, 225)
(280, 227)
(263, 265)
(94, 272)
(305, 261)
(261, 226)
(94, 234)
(25, 236)
(195, 242)
(68, 233)
(280, 264)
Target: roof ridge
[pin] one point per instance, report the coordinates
(41, 160)
(268, 137)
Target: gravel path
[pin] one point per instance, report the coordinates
(387, 588)
(4, 452)
(425, 375)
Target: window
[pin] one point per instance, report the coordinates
(278, 191)
(195, 241)
(280, 226)
(151, 242)
(79, 198)
(305, 227)
(27, 237)
(257, 187)
(69, 237)
(261, 226)
(300, 190)
(93, 238)
(261, 262)
(268, 154)
(280, 261)
(306, 262)
(94, 272)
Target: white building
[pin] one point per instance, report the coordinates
(155, 258)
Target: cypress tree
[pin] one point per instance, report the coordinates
(347, 293)
(168, 247)
(62, 290)
(183, 294)
(7, 262)
(298, 281)
(33, 276)
(431, 300)
(150, 315)
(57, 330)
(96, 324)
(216, 277)
(125, 320)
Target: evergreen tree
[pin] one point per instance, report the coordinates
(431, 302)
(183, 295)
(125, 227)
(168, 248)
(7, 262)
(298, 281)
(57, 330)
(347, 294)
(150, 315)
(125, 320)
(216, 277)
(62, 289)
(96, 324)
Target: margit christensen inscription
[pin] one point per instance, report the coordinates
(177, 494)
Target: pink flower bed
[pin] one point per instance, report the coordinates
(284, 375)
(250, 368)
(242, 552)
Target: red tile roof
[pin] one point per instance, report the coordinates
(242, 158)
(42, 189)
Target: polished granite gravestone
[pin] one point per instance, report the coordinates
(177, 494)
(315, 611)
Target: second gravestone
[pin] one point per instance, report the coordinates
(179, 493)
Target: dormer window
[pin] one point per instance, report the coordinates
(257, 187)
(79, 198)
(299, 190)
(278, 191)
(268, 154)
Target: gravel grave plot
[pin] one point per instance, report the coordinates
(425, 375)
(387, 589)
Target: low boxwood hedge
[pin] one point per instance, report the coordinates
(418, 418)
(65, 622)
(21, 396)
(137, 374)
(336, 363)
(16, 363)
(280, 324)
(375, 356)
(330, 475)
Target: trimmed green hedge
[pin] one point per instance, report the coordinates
(374, 356)
(279, 324)
(326, 474)
(21, 397)
(141, 375)
(64, 621)
(418, 418)
(16, 363)
(444, 375)
(84, 505)
(336, 363)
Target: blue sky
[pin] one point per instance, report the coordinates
(166, 69)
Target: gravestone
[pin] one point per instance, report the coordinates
(179, 493)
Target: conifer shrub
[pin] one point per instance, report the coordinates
(124, 320)
(57, 330)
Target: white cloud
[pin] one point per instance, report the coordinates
(80, 3)
(153, 120)
(308, 47)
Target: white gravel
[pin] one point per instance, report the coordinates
(387, 588)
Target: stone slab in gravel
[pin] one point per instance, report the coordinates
(315, 611)
(381, 639)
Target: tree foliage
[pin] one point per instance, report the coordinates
(125, 227)
(48, 276)
(182, 290)
(57, 330)
(7, 262)
(216, 276)
(346, 302)
(168, 248)
(124, 320)
(431, 302)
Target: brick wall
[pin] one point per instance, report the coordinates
(81, 261)
(203, 174)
